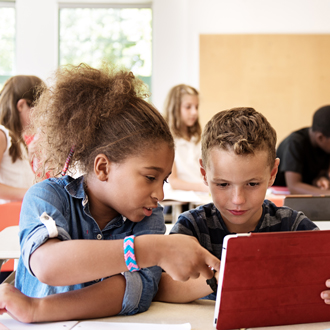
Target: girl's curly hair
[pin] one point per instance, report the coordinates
(96, 111)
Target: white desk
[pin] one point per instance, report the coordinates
(9, 248)
(198, 313)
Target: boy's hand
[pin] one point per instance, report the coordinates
(16, 304)
(326, 294)
(183, 257)
(323, 183)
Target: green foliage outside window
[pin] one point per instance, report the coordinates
(120, 35)
(7, 43)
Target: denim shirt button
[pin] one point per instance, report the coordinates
(99, 236)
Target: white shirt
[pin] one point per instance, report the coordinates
(18, 174)
(187, 155)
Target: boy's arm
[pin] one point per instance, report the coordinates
(181, 292)
(296, 186)
(98, 300)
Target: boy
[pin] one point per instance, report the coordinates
(305, 157)
(238, 164)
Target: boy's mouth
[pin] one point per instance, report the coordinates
(237, 212)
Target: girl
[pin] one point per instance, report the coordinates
(181, 114)
(16, 99)
(78, 235)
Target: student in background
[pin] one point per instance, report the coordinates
(97, 240)
(181, 114)
(16, 98)
(305, 157)
(238, 165)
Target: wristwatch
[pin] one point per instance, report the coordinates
(213, 283)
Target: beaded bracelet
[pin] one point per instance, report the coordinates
(129, 254)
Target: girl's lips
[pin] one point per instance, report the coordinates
(147, 212)
(237, 212)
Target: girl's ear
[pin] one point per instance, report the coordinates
(274, 172)
(102, 167)
(20, 105)
(203, 172)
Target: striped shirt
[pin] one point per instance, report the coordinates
(206, 224)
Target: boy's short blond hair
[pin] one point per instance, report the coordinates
(243, 130)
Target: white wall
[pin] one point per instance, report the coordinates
(177, 26)
(224, 16)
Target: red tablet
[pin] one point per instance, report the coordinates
(269, 279)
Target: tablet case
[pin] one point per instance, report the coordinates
(269, 279)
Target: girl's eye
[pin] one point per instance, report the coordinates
(151, 178)
(165, 181)
(253, 184)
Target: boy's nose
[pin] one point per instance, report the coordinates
(238, 197)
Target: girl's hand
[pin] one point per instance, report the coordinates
(183, 257)
(16, 304)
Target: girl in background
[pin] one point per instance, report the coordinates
(181, 114)
(16, 98)
(94, 246)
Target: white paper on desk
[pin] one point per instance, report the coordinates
(180, 195)
(129, 326)
(8, 323)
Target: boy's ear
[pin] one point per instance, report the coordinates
(203, 172)
(102, 167)
(274, 172)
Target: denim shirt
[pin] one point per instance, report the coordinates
(65, 201)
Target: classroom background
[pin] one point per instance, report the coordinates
(272, 55)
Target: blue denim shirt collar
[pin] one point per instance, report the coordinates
(75, 188)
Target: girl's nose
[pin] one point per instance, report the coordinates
(194, 110)
(158, 193)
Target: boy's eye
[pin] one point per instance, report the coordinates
(253, 184)
(222, 185)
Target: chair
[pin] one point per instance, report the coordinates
(9, 216)
(316, 208)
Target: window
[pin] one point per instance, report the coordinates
(7, 40)
(120, 35)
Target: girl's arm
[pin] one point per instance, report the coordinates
(9, 192)
(90, 302)
(181, 292)
(177, 183)
(181, 256)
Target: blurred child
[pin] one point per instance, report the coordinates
(181, 114)
(305, 157)
(238, 165)
(93, 246)
(16, 98)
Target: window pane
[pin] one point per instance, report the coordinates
(7, 43)
(120, 35)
